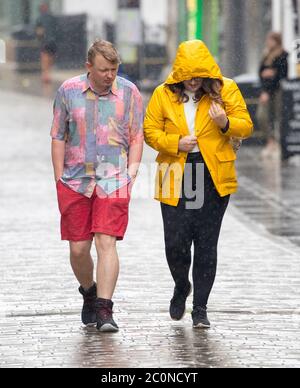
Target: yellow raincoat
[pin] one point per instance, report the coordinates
(165, 125)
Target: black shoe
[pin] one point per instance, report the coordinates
(200, 319)
(178, 303)
(105, 321)
(88, 315)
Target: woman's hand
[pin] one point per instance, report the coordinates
(188, 143)
(264, 98)
(218, 115)
(268, 73)
(236, 143)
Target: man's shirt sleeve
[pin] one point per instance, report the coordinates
(59, 128)
(137, 118)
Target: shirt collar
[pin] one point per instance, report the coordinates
(87, 86)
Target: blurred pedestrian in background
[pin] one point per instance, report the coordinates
(273, 69)
(46, 32)
(190, 121)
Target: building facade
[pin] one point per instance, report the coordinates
(234, 30)
(18, 12)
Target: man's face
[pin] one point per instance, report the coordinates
(193, 85)
(102, 72)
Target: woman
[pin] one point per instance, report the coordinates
(190, 121)
(273, 69)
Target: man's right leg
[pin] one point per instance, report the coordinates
(46, 66)
(178, 243)
(76, 227)
(83, 268)
(82, 263)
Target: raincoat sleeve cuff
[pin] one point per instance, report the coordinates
(241, 128)
(226, 129)
(173, 144)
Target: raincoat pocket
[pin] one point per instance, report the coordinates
(226, 166)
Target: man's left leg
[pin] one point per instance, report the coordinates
(107, 277)
(47, 61)
(110, 220)
(108, 265)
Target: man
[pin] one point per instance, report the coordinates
(96, 150)
(47, 35)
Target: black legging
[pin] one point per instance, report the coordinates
(202, 227)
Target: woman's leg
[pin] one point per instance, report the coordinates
(263, 119)
(277, 109)
(207, 227)
(178, 242)
(269, 123)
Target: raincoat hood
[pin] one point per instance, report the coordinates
(194, 60)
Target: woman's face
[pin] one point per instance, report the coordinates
(193, 85)
(271, 43)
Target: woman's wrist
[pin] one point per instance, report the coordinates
(226, 128)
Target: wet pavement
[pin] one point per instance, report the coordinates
(269, 193)
(254, 307)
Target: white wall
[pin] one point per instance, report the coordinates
(154, 12)
(105, 9)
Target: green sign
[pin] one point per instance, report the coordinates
(182, 20)
(195, 19)
(200, 19)
(214, 26)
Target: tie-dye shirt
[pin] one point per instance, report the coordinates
(98, 131)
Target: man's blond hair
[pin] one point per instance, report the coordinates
(106, 49)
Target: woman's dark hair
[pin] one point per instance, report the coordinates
(211, 87)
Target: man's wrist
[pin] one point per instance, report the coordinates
(133, 175)
(58, 177)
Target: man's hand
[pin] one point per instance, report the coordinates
(58, 157)
(218, 115)
(188, 143)
(264, 98)
(132, 179)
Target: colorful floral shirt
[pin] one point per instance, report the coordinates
(98, 131)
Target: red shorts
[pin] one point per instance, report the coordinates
(83, 217)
